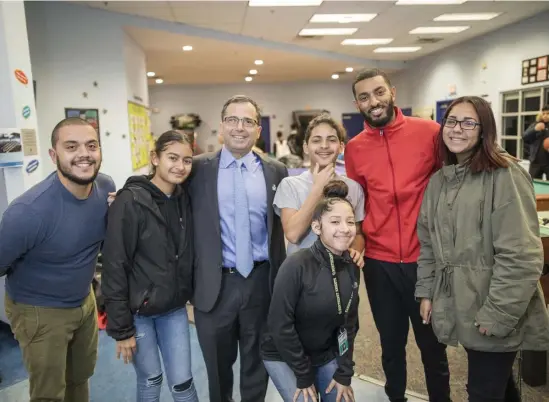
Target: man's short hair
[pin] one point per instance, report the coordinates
(370, 73)
(241, 99)
(545, 108)
(70, 121)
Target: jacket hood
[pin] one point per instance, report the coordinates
(393, 126)
(144, 182)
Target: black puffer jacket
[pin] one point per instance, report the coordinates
(147, 255)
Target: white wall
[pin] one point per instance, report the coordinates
(71, 48)
(426, 80)
(136, 72)
(277, 101)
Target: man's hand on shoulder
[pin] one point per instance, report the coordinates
(358, 257)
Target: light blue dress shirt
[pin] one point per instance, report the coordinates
(257, 202)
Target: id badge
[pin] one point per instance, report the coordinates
(342, 341)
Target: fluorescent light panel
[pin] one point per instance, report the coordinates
(342, 18)
(466, 17)
(367, 42)
(397, 49)
(327, 31)
(283, 3)
(428, 2)
(438, 30)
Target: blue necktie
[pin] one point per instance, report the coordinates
(244, 257)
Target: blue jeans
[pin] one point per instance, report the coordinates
(284, 380)
(169, 333)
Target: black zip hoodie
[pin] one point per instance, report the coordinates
(147, 255)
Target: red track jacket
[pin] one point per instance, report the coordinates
(393, 165)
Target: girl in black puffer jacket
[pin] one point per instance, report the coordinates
(147, 272)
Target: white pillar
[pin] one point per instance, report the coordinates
(17, 105)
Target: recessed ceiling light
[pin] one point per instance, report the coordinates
(327, 31)
(349, 69)
(428, 2)
(159, 80)
(248, 79)
(410, 49)
(438, 30)
(283, 3)
(258, 62)
(187, 48)
(335, 76)
(342, 18)
(466, 17)
(367, 42)
(151, 74)
(253, 72)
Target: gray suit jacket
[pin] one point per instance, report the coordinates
(207, 228)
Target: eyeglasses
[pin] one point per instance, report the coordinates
(464, 124)
(233, 121)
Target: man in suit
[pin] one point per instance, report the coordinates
(239, 246)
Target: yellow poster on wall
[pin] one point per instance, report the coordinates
(140, 135)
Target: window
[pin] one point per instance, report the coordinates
(519, 111)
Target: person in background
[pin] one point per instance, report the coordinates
(393, 159)
(260, 144)
(281, 148)
(313, 318)
(297, 196)
(534, 137)
(479, 284)
(50, 237)
(147, 272)
(239, 246)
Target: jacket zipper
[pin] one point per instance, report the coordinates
(395, 194)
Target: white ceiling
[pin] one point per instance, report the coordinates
(282, 25)
(217, 62)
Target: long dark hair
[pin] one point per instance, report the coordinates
(486, 155)
(164, 141)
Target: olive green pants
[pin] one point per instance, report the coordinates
(59, 348)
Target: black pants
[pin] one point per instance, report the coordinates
(236, 323)
(490, 377)
(391, 289)
(536, 171)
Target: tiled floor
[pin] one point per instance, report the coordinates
(114, 381)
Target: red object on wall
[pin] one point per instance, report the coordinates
(21, 77)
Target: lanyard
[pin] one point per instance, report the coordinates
(336, 288)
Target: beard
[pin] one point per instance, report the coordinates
(82, 181)
(382, 121)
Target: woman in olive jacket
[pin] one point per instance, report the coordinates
(481, 254)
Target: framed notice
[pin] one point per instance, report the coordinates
(141, 139)
(11, 148)
(535, 70)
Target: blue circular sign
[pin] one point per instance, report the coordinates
(26, 112)
(32, 166)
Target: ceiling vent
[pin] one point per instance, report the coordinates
(426, 41)
(308, 37)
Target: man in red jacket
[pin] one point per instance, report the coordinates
(393, 159)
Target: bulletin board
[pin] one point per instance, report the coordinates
(141, 139)
(90, 115)
(535, 70)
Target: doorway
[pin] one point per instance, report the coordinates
(266, 132)
(353, 123)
